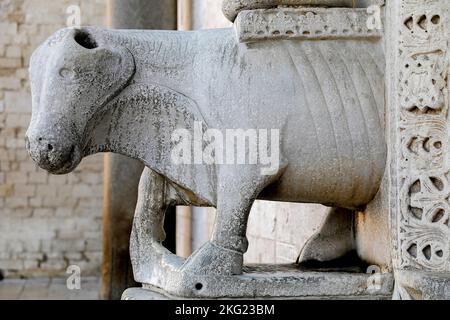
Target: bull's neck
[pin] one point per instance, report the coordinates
(164, 57)
(140, 123)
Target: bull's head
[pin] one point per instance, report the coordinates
(74, 75)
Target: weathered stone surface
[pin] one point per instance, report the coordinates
(418, 158)
(139, 92)
(304, 23)
(283, 281)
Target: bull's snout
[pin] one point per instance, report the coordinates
(55, 156)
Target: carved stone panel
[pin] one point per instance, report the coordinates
(419, 136)
(304, 23)
(231, 8)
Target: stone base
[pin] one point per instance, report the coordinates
(283, 282)
(421, 285)
(143, 294)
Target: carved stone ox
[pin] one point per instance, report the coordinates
(97, 90)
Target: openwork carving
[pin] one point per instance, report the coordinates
(423, 143)
(423, 82)
(423, 170)
(303, 23)
(424, 232)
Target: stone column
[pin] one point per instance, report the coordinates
(121, 173)
(418, 137)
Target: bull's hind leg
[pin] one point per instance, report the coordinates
(334, 240)
(146, 249)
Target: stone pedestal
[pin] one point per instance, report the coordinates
(279, 282)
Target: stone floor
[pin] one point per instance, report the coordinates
(48, 289)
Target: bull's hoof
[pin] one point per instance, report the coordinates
(212, 259)
(334, 240)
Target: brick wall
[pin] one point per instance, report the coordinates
(46, 222)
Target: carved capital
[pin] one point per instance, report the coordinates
(231, 8)
(305, 23)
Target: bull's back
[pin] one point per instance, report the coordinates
(325, 97)
(334, 131)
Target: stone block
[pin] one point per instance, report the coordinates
(53, 264)
(6, 190)
(21, 213)
(16, 202)
(44, 212)
(24, 190)
(30, 264)
(35, 202)
(16, 177)
(17, 102)
(94, 245)
(70, 235)
(73, 256)
(41, 178)
(83, 191)
(55, 201)
(27, 167)
(8, 28)
(33, 248)
(11, 264)
(10, 83)
(63, 212)
(10, 63)
(57, 180)
(68, 245)
(13, 52)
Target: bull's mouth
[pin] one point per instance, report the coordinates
(60, 164)
(69, 163)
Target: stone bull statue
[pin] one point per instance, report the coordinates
(97, 90)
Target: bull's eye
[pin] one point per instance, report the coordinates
(67, 73)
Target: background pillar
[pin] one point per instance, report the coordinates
(183, 213)
(122, 174)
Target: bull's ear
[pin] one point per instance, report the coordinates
(119, 64)
(115, 61)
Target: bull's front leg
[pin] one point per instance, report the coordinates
(146, 249)
(224, 253)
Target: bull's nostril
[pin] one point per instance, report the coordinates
(40, 139)
(49, 147)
